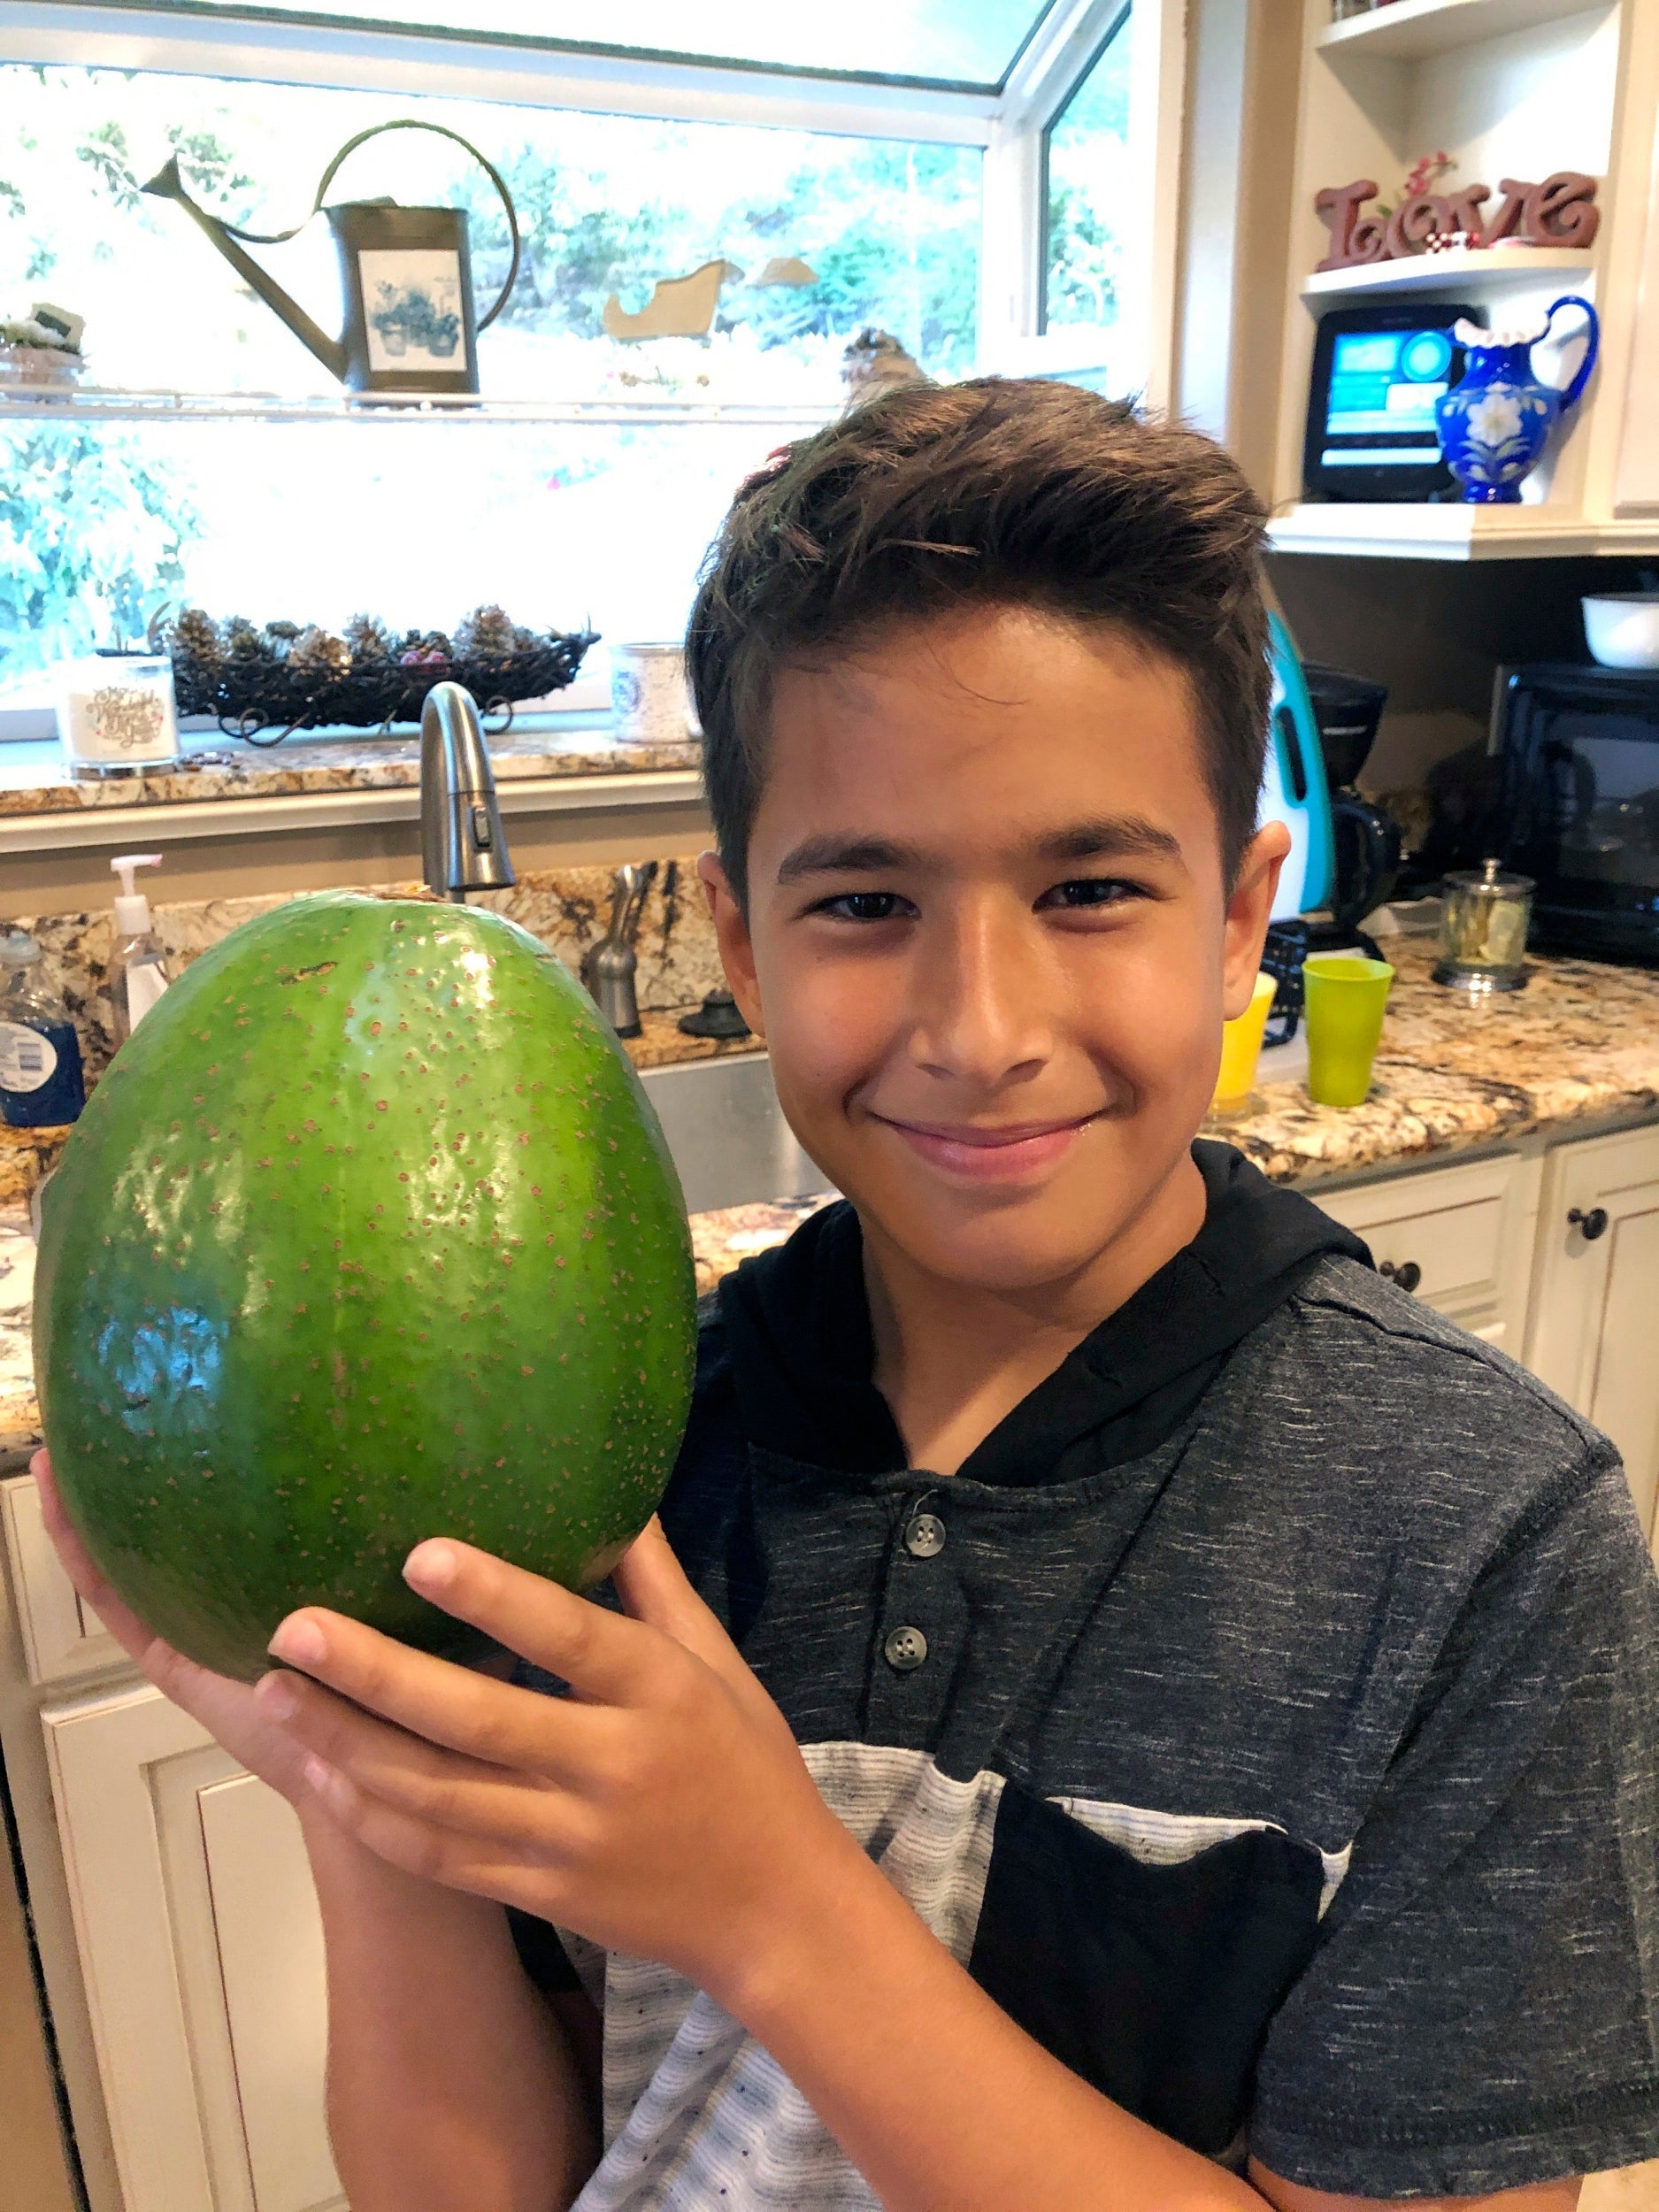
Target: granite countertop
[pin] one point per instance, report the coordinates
(1580, 1044)
(34, 779)
(662, 1044)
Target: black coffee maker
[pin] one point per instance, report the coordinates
(1366, 842)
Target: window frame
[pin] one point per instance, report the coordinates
(1120, 21)
(1010, 123)
(1014, 251)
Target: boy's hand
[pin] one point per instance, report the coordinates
(228, 1709)
(663, 1810)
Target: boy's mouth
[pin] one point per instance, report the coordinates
(1000, 1152)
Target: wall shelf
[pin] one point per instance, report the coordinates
(1492, 269)
(1408, 30)
(1453, 532)
(1507, 88)
(91, 403)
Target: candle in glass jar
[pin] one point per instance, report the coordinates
(117, 711)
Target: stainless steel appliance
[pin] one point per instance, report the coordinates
(1579, 759)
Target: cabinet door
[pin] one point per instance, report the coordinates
(202, 1957)
(62, 1635)
(1457, 1237)
(1593, 1335)
(1636, 487)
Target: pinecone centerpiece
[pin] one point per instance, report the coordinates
(286, 678)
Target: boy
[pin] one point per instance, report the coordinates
(1131, 1710)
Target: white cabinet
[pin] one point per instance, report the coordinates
(1596, 1294)
(62, 1636)
(203, 1958)
(1460, 1238)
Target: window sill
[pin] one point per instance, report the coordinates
(319, 782)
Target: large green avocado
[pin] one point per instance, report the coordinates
(368, 1234)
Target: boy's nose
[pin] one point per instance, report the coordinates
(979, 1013)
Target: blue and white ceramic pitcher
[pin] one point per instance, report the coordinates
(1496, 423)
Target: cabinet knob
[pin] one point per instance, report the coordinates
(1408, 1274)
(1591, 1225)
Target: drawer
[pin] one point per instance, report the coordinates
(1448, 1230)
(62, 1635)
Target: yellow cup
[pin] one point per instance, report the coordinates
(1241, 1048)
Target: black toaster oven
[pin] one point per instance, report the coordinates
(1580, 780)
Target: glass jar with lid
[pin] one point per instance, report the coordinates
(1484, 917)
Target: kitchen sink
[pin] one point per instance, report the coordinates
(727, 1133)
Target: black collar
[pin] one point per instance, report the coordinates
(797, 1323)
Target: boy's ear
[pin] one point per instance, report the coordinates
(1250, 908)
(731, 934)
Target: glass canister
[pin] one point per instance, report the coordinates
(1483, 930)
(115, 712)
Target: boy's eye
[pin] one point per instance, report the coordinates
(862, 906)
(1089, 891)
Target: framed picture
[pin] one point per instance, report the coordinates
(412, 309)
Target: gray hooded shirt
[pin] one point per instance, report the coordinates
(1266, 1715)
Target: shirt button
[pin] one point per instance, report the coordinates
(925, 1538)
(904, 1649)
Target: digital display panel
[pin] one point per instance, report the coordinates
(1383, 386)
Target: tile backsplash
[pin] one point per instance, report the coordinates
(566, 908)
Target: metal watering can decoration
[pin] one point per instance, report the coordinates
(406, 273)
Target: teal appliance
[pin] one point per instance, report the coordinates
(1294, 787)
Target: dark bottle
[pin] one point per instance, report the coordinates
(40, 1079)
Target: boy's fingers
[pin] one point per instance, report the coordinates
(509, 1806)
(433, 1854)
(453, 1706)
(593, 1650)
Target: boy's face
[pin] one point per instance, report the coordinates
(989, 941)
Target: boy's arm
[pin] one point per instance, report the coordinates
(942, 2101)
(451, 2085)
(665, 1810)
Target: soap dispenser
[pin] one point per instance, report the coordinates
(138, 967)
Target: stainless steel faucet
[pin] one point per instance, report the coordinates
(609, 966)
(462, 846)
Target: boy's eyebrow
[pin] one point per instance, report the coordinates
(832, 854)
(1105, 836)
(1108, 835)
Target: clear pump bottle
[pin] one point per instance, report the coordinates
(138, 967)
(41, 1081)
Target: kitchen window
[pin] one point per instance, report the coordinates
(207, 458)
(1090, 210)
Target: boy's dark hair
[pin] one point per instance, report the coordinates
(931, 498)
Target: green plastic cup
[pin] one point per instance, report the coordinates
(1345, 999)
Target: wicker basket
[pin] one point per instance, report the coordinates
(259, 693)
